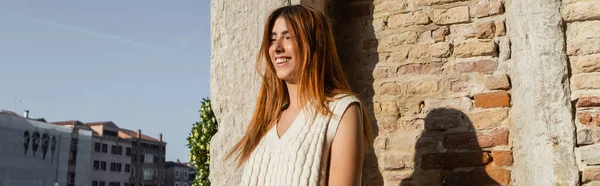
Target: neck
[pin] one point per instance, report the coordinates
(293, 95)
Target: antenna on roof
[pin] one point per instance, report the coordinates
(16, 101)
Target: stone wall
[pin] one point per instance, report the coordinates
(462, 92)
(434, 73)
(582, 19)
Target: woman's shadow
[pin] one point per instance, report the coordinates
(448, 153)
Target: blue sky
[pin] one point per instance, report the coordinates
(143, 64)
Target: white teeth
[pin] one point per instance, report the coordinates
(281, 60)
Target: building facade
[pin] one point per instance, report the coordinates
(147, 158)
(110, 155)
(36, 153)
(178, 174)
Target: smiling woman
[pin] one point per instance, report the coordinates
(308, 127)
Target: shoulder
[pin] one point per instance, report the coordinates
(344, 100)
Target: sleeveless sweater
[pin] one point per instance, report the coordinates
(301, 155)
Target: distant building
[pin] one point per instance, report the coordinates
(148, 158)
(111, 155)
(179, 174)
(36, 153)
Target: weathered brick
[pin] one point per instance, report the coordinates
(504, 47)
(583, 46)
(497, 82)
(437, 50)
(422, 87)
(428, 145)
(478, 176)
(419, 68)
(461, 87)
(586, 81)
(380, 142)
(485, 8)
(381, 72)
(392, 6)
(444, 119)
(394, 176)
(434, 2)
(439, 34)
(463, 104)
(500, 28)
(451, 16)
(470, 140)
(588, 101)
(583, 30)
(403, 141)
(585, 64)
(390, 88)
(479, 30)
(591, 173)
(584, 117)
(394, 40)
(475, 48)
(389, 108)
(453, 160)
(492, 99)
(502, 158)
(590, 154)
(481, 66)
(398, 56)
(426, 37)
(397, 161)
(488, 118)
(408, 19)
(580, 11)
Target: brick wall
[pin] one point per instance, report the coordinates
(582, 20)
(434, 74)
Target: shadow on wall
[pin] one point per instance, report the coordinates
(357, 48)
(448, 152)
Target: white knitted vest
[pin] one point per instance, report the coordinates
(300, 156)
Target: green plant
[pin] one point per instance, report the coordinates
(199, 143)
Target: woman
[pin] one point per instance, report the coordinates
(308, 127)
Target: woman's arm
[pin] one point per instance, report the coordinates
(347, 150)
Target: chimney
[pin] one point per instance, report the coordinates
(160, 137)
(139, 133)
(26, 114)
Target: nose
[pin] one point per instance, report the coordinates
(278, 46)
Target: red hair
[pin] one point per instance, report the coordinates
(320, 75)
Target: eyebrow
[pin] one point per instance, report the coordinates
(282, 33)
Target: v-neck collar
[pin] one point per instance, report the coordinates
(291, 128)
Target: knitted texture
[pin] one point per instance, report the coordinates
(300, 156)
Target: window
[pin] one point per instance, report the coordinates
(148, 158)
(105, 148)
(113, 149)
(132, 170)
(176, 173)
(119, 150)
(147, 174)
(96, 165)
(101, 183)
(185, 184)
(94, 183)
(97, 147)
(102, 166)
(119, 166)
(185, 175)
(114, 184)
(127, 167)
(155, 159)
(112, 167)
(128, 151)
(176, 184)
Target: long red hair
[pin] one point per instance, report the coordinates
(320, 75)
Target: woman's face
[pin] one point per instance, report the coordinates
(283, 51)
